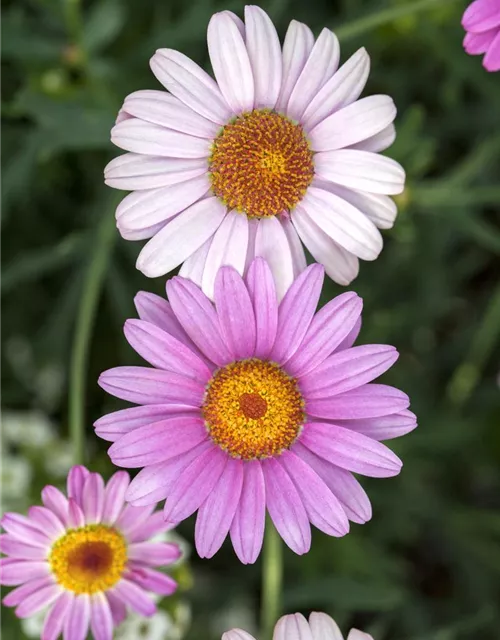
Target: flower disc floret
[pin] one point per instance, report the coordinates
(253, 409)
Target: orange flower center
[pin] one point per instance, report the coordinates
(253, 409)
(89, 559)
(261, 164)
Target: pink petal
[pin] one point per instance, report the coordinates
(164, 351)
(154, 553)
(195, 484)
(132, 518)
(369, 401)
(342, 89)
(55, 618)
(101, 620)
(149, 139)
(264, 52)
(13, 548)
(286, 508)
(477, 43)
(114, 496)
(350, 450)
(152, 526)
(56, 501)
(348, 369)
(76, 479)
(293, 627)
(361, 170)
(155, 482)
(235, 312)
(76, 517)
(135, 597)
(25, 530)
(142, 385)
(319, 68)
(136, 171)
(491, 60)
(323, 509)
(481, 15)
(271, 243)
(216, 514)
(262, 292)
(228, 248)
(322, 626)
(157, 442)
(339, 264)
(296, 312)
(16, 572)
(188, 82)
(151, 580)
(164, 109)
(118, 608)
(328, 328)
(18, 595)
(297, 46)
(341, 483)
(47, 520)
(353, 123)
(383, 427)
(198, 318)
(345, 224)
(247, 528)
(351, 337)
(230, 63)
(118, 423)
(35, 602)
(145, 209)
(93, 498)
(181, 237)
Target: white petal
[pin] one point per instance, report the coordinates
(193, 267)
(133, 171)
(143, 209)
(354, 634)
(342, 89)
(354, 123)
(264, 52)
(272, 244)
(323, 627)
(379, 142)
(142, 137)
(340, 265)
(164, 109)
(188, 82)
(345, 224)
(292, 627)
(320, 66)
(181, 237)
(298, 255)
(230, 63)
(253, 225)
(381, 210)
(237, 634)
(237, 21)
(298, 44)
(228, 248)
(141, 234)
(361, 170)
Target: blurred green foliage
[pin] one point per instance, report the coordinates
(428, 565)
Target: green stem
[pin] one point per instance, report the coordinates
(272, 578)
(379, 18)
(92, 286)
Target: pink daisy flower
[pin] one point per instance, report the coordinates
(277, 151)
(296, 627)
(252, 404)
(87, 557)
(481, 20)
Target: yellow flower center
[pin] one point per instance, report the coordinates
(261, 164)
(89, 559)
(253, 409)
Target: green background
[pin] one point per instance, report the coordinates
(427, 567)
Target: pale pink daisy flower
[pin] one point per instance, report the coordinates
(254, 404)
(277, 151)
(296, 627)
(481, 20)
(86, 557)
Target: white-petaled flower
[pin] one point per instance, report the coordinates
(162, 626)
(279, 150)
(296, 627)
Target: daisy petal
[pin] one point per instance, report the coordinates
(237, 634)
(54, 620)
(264, 52)
(135, 597)
(481, 15)
(491, 61)
(298, 255)
(349, 450)
(298, 44)
(384, 427)
(262, 291)
(293, 627)
(379, 142)
(188, 82)
(230, 63)
(323, 627)
(181, 237)
(151, 580)
(114, 498)
(93, 498)
(193, 267)
(286, 508)
(101, 620)
(77, 622)
(272, 244)
(477, 43)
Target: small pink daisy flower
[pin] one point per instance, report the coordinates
(253, 404)
(296, 627)
(481, 20)
(277, 151)
(87, 557)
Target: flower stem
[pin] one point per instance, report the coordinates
(379, 18)
(272, 578)
(92, 286)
